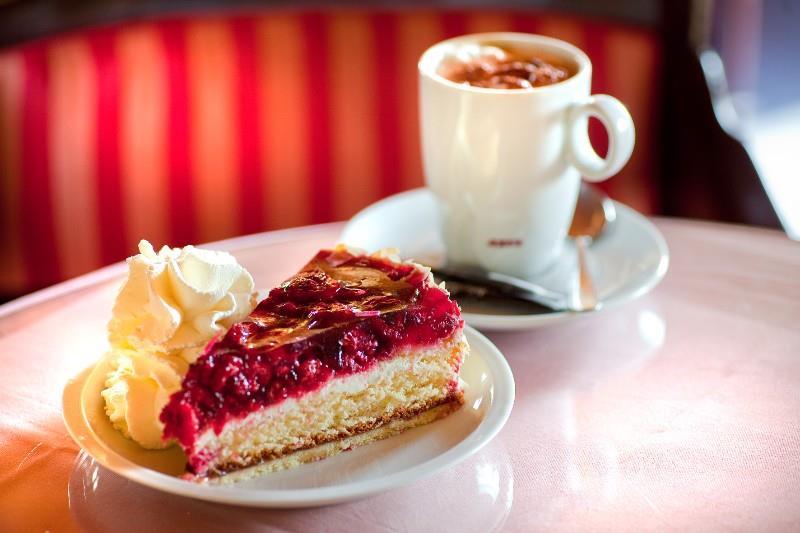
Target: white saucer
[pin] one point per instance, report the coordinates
(361, 472)
(627, 261)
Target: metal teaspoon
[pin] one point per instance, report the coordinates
(593, 212)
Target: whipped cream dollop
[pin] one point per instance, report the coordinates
(138, 387)
(170, 306)
(179, 299)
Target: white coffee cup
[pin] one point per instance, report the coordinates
(506, 164)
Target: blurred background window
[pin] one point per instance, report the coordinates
(750, 58)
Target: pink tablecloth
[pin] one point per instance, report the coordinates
(679, 411)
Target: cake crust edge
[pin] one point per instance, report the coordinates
(317, 452)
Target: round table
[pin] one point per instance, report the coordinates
(678, 411)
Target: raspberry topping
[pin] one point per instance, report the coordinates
(340, 315)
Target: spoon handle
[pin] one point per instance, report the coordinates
(587, 294)
(505, 284)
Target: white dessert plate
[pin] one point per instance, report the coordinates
(626, 261)
(361, 472)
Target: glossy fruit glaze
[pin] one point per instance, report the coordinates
(340, 315)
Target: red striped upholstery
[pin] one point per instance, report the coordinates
(195, 129)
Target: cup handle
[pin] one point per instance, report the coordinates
(621, 136)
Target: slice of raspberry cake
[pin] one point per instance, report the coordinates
(352, 349)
